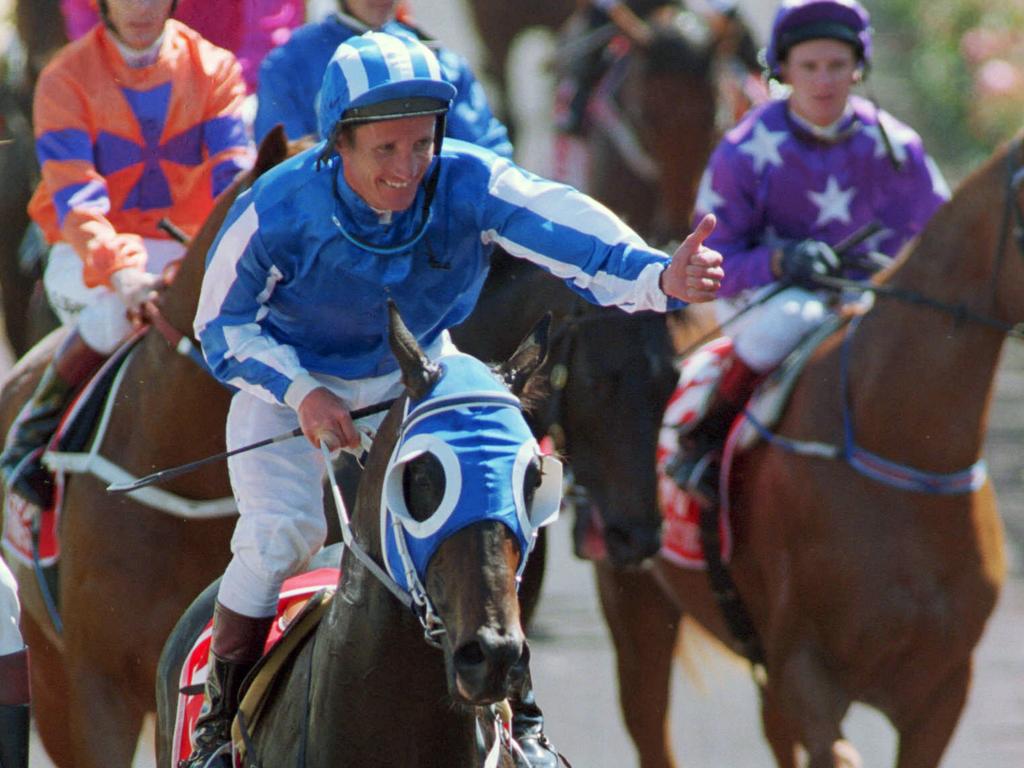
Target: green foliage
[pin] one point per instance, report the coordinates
(964, 63)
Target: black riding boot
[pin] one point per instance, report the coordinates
(14, 710)
(528, 721)
(697, 466)
(72, 365)
(236, 647)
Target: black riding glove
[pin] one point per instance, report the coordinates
(805, 260)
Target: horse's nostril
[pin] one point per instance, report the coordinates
(469, 655)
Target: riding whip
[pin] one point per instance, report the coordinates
(184, 469)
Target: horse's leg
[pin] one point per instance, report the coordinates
(924, 738)
(644, 625)
(780, 733)
(809, 696)
(49, 692)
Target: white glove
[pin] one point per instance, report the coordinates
(134, 286)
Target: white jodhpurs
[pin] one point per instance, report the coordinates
(10, 612)
(97, 312)
(765, 334)
(279, 491)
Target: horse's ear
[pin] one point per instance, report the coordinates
(418, 373)
(273, 149)
(528, 358)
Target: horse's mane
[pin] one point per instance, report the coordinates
(535, 395)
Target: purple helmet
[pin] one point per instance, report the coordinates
(800, 20)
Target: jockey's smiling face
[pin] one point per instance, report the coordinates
(384, 161)
(138, 22)
(821, 73)
(373, 13)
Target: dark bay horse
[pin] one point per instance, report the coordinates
(654, 126)
(127, 570)
(366, 688)
(861, 590)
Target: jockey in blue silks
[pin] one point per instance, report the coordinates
(293, 308)
(796, 176)
(290, 76)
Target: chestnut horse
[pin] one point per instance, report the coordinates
(127, 570)
(861, 590)
(368, 687)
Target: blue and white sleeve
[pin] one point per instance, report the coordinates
(575, 238)
(240, 278)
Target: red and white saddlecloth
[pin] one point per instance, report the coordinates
(680, 539)
(294, 593)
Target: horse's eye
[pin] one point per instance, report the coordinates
(423, 486)
(531, 481)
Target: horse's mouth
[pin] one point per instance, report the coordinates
(476, 696)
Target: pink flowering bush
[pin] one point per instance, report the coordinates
(966, 65)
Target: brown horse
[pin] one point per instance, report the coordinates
(26, 314)
(860, 590)
(654, 128)
(366, 688)
(499, 23)
(127, 570)
(41, 29)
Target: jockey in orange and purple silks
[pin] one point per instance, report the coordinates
(137, 121)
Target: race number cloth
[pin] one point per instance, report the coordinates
(295, 592)
(680, 535)
(121, 148)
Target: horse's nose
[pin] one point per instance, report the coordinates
(482, 665)
(630, 544)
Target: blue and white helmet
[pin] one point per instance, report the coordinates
(798, 21)
(378, 76)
